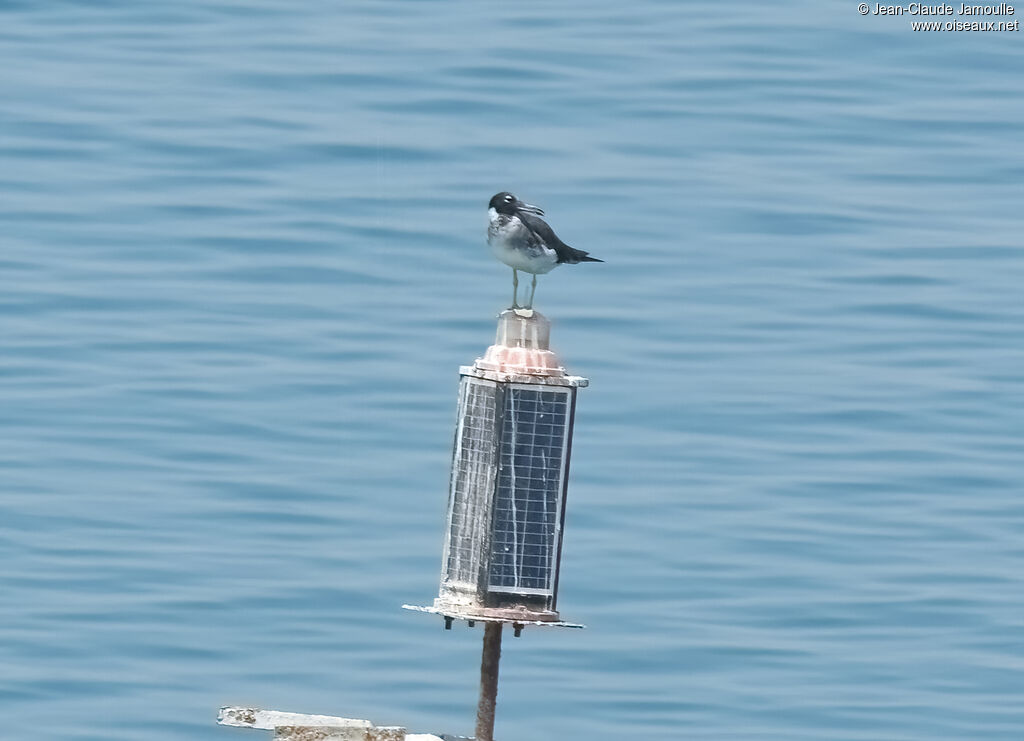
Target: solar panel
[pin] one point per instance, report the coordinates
(507, 492)
(472, 481)
(530, 480)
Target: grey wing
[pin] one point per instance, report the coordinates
(540, 230)
(541, 233)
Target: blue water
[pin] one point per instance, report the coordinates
(242, 257)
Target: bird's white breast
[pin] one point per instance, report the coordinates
(513, 244)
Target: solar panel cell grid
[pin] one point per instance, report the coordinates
(531, 469)
(472, 480)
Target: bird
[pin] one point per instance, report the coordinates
(524, 241)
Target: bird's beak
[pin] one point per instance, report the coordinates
(530, 208)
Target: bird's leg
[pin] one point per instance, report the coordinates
(515, 288)
(533, 290)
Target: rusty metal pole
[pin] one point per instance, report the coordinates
(488, 682)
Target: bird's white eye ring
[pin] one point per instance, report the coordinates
(509, 199)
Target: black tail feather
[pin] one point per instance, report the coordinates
(572, 256)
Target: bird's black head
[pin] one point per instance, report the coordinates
(508, 204)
